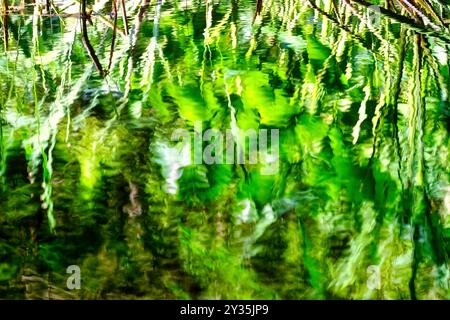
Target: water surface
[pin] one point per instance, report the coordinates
(89, 176)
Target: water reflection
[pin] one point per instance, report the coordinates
(89, 175)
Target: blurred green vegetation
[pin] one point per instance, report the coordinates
(89, 175)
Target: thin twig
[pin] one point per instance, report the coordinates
(86, 41)
(5, 23)
(124, 16)
(113, 41)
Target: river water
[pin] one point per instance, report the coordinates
(355, 202)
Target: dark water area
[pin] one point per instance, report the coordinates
(357, 207)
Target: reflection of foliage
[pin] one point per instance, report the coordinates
(364, 176)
